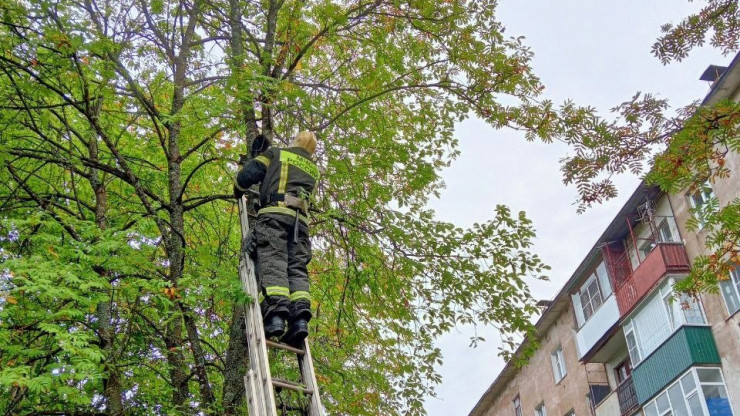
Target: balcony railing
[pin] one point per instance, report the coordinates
(665, 258)
(627, 397)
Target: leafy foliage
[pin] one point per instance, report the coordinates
(121, 122)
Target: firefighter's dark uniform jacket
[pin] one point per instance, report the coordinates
(287, 179)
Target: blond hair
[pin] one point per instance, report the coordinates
(305, 140)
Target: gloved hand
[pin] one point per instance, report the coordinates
(251, 245)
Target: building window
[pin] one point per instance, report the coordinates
(591, 295)
(645, 248)
(699, 392)
(623, 371)
(664, 231)
(633, 347)
(590, 298)
(731, 291)
(517, 406)
(691, 309)
(700, 202)
(540, 410)
(558, 364)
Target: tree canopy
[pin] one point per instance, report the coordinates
(121, 124)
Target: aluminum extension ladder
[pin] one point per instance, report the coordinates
(259, 384)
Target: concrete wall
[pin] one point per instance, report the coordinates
(535, 382)
(609, 407)
(726, 328)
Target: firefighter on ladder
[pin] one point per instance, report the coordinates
(287, 179)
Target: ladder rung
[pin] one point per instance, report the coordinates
(291, 385)
(285, 347)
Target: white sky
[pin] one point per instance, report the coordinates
(596, 52)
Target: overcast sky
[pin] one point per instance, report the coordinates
(596, 52)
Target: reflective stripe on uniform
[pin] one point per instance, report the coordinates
(283, 177)
(300, 162)
(260, 298)
(300, 294)
(262, 159)
(283, 210)
(277, 291)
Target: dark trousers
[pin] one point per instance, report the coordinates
(282, 266)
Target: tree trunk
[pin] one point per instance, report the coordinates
(112, 388)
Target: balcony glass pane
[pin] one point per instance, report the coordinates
(652, 325)
(634, 351)
(688, 383)
(709, 375)
(695, 405)
(677, 403)
(650, 410)
(691, 310)
(606, 287)
(663, 403)
(665, 231)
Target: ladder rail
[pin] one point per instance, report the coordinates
(258, 359)
(305, 363)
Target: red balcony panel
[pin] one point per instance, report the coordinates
(666, 257)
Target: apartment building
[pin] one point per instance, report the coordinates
(615, 341)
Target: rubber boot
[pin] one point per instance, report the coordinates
(297, 332)
(274, 326)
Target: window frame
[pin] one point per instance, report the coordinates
(585, 289)
(517, 403)
(734, 285)
(627, 367)
(628, 328)
(665, 226)
(646, 247)
(540, 409)
(706, 192)
(559, 369)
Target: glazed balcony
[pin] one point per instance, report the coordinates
(633, 286)
(688, 346)
(595, 328)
